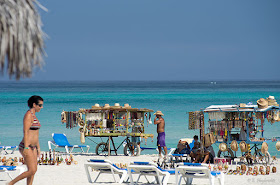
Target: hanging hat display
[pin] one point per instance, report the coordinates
(264, 148)
(275, 115)
(234, 145)
(277, 145)
(243, 146)
(223, 147)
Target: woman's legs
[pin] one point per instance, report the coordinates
(30, 179)
(30, 159)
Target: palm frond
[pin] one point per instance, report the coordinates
(21, 37)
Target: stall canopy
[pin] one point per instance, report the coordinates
(238, 108)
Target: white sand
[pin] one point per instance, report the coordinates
(75, 174)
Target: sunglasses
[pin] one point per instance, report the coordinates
(40, 105)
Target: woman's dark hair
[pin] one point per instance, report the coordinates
(34, 99)
(195, 137)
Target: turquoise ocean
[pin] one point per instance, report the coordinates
(173, 98)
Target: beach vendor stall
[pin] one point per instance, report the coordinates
(109, 122)
(243, 124)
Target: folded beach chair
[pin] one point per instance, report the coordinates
(148, 169)
(188, 171)
(5, 149)
(104, 166)
(8, 169)
(60, 140)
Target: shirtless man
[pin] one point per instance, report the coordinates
(159, 121)
(195, 153)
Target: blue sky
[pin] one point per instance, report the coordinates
(161, 40)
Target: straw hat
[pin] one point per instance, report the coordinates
(158, 113)
(106, 106)
(117, 105)
(276, 116)
(126, 106)
(271, 101)
(243, 146)
(262, 103)
(264, 148)
(277, 145)
(234, 145)
(223, 147)
(271, 98)
(96, 106)
(242, 105)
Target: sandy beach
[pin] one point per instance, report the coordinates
(75, 174)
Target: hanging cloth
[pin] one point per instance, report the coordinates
(150, 118)
(194, 120)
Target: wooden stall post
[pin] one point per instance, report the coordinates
(262, 122)
(202, 129)
(127, 121)
(109, 148)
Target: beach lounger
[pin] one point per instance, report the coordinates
(188, 171)
(6, 148)
(104, 166)
(60, 140)
(148, 169)
(8, 169)
(175, 158)
(151, 148)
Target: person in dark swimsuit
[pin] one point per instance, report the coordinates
(29, 147)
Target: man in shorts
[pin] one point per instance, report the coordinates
(159, 121)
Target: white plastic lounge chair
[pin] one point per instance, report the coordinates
(104, 166)
(179, 157)
(8, 169)
(171, 150)
(188, 171)
(60, 140)
(5, 149)
(148, 169)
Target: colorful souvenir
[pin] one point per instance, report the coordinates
(273, 169)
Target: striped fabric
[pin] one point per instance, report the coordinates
(36, 124)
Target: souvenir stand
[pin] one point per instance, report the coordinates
(242, 123)
(109, 122)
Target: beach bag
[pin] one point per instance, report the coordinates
(209, 139)
(176, 151)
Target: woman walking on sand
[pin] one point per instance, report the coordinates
(29, 146)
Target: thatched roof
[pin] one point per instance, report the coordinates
(21, 37)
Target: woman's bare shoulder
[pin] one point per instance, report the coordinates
(28, 115)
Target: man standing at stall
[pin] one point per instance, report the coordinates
(159, 121)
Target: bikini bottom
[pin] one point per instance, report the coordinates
(21, 146)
